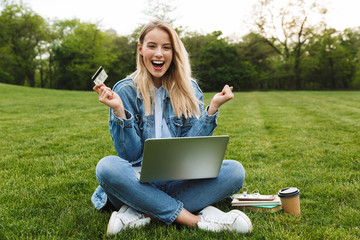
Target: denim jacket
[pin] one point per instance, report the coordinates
(129, 134)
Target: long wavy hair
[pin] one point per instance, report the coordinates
(177, 79)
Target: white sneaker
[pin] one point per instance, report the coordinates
(213, 219)
(126, 217)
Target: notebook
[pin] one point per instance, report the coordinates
(182, 158)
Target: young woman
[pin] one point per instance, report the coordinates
(160, 100)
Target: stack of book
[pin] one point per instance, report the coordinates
(257, 202)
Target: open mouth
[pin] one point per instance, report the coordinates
(158, 64)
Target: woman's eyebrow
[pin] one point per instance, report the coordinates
(164, 44)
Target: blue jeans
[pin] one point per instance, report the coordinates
(166, 199)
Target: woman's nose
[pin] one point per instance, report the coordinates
(158, 52)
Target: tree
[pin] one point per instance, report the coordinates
(286, 30)
(215, 62)
(21, 33)
(124, 61)
(330, 63)
(351, 40)
(254, 49)
(160, 9)
(81, 50)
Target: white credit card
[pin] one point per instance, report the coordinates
(100, 76)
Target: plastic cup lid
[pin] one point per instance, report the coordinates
(289, 192)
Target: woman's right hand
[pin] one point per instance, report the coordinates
(111, 99)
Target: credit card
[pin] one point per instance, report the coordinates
(100, 76)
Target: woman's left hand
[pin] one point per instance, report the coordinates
(220, 98)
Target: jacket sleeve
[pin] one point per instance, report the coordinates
(205, 124)
(125, 133)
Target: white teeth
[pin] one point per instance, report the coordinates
(158, 62)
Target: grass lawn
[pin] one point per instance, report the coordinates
(51, 141)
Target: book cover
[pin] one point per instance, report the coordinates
(263, 208)
(260, 200)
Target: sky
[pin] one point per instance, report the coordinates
(204, 16)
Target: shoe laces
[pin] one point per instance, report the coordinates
(130, 215)
(226, 218)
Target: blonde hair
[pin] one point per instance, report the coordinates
(177, 79)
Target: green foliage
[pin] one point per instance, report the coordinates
(350, 39)
(51, 141)
(66, 53)
(216, 62)
(331, 63)
(82, 50)
(254, 49)
(21, 32)
(124, 62)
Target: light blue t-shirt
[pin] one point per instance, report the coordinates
(161, 129)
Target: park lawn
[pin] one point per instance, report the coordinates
(51, 141)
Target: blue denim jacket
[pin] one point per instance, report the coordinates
(129, 134)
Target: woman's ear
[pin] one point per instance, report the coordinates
(139, 49)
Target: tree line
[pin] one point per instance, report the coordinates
(64, 54)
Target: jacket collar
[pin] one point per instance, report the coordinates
(132, 77)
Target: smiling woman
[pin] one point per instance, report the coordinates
(156, 53)
(162, 60)
(161, 100)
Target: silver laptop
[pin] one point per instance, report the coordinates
(182, 158)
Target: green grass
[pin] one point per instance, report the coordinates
(51, 141)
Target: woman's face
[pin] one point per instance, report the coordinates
(157, 53)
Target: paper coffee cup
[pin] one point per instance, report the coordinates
(290, 200)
